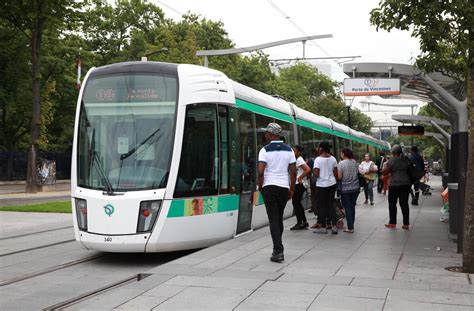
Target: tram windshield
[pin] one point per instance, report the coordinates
(126, 132)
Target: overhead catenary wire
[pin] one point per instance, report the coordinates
(295, 25)
(170, 8)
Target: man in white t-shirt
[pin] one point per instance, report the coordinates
(276, 181)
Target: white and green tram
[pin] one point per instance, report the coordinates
(165, 155)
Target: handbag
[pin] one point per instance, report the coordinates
(370, 176)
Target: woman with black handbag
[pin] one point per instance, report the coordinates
(399, 188)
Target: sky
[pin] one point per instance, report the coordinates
(252, 22)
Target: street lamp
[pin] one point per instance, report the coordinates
(162, 50)
(348, 105)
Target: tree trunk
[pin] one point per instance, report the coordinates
(468, 243)
(36, 38)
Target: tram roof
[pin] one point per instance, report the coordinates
(340, 128)
(136, 66)
(311, 120)
(272, 106)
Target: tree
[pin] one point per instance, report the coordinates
(254, 71)
(445, 31)
(33, 18)
(108, 29)
(15, 100)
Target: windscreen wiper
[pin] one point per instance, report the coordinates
(134, 149)
(95, 159)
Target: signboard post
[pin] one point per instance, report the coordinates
(371, 86)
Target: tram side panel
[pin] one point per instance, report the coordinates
(203, 208)
(196, 211)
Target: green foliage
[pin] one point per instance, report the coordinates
(104, 32)
(426, 146)
(303, 85)
(15, 88)
(108, 29)
(360, 121)
(442, 26)
(431, 111)
(51, 207)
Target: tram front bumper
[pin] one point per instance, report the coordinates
(133, 243)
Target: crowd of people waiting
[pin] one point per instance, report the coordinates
(284, 174)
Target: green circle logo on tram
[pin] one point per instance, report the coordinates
(109, 209)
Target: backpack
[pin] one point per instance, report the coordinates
(413, 172)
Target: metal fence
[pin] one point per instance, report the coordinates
(18, 161)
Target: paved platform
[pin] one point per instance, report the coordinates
(373, 269)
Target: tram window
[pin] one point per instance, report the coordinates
(319, 137)
(307, 141)
(359, 151)
(224, 150)
(234, 151)
(199, 166)
(341, 143)
(373, 152)
(248, 150)
(287, 131)
(261, 124)
(344, 143)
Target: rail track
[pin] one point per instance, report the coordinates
(49, 270)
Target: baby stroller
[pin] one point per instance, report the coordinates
(425, 189)
(339, 213)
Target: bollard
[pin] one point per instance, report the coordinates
(445, 179)
(453, 207)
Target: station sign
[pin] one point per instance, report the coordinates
(371, 86)
(414, 130)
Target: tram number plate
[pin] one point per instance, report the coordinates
(108, 239)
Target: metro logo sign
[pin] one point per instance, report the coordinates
(371, 86)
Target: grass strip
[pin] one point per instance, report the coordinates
(51, 207)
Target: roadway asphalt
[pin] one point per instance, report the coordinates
(14, 194)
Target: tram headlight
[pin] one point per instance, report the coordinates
(81, 213)
(147, 215)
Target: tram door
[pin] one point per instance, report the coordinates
(248, 170)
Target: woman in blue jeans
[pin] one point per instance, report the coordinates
(368, 169)
(347, 171)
